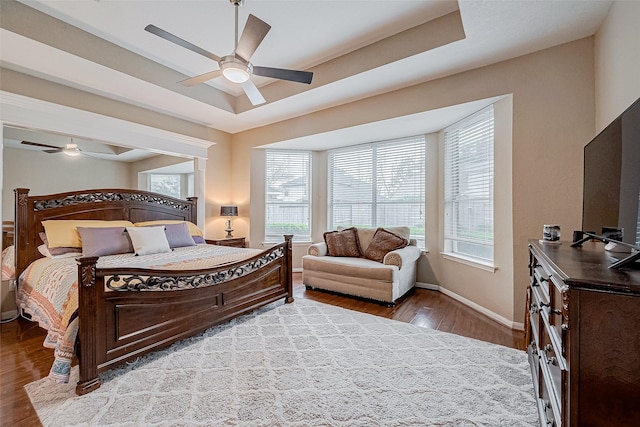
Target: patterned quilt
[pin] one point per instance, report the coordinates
(8, 263)
(48, 290)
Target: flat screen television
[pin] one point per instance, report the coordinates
(612, 178)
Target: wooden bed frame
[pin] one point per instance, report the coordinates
(124, 314)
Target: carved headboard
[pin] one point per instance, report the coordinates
(104, 204)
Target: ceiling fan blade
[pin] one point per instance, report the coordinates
(254, 32)
(253, 93)
(283, 74)
(57, 150)
(180, 42)
(37, 144)
(201, 78)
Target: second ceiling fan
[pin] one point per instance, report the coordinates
(236, 66)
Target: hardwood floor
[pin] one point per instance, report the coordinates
(23, 359)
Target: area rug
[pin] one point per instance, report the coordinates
(306, 364)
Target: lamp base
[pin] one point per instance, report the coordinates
(229, 229)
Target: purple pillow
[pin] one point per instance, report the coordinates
(178, 235)
(198, 239)
(100, 241)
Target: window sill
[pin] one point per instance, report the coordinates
(482, 265)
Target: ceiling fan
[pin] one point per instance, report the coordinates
(236, 66)
(69, 149)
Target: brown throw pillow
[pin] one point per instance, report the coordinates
(382, 243)
(343, 243)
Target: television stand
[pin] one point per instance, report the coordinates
(633, 257)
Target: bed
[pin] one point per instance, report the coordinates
(126, 310)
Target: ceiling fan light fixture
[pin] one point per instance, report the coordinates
(235, 70)
(71, 150)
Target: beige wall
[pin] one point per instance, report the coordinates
(219, 183)
(493, 290)
(46, 173)
(617, 62)
(553, 117)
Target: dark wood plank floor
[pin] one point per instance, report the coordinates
(23, 359)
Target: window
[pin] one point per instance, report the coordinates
(167, 184)
(468, 187)
(379, 185)
(288, 189)
(175, 185)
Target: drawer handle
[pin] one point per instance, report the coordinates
(548, 347)
(565, 326)
(547, 405)
(552, 360)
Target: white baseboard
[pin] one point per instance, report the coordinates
(517, 326)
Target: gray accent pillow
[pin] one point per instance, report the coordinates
(178, 235)
(104, 241)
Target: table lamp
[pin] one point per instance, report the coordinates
(229, 211)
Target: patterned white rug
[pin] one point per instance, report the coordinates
(306, 364)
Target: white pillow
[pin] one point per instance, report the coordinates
(148, 240)
(45, 251)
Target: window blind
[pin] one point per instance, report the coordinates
(379, 185)
(468, 186)
(287, 195)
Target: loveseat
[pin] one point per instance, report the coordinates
(378, 264)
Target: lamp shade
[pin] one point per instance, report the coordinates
(228, 211)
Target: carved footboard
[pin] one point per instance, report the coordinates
(125, 314)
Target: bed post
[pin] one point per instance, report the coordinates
(289, 271)
(88, 298)
(22, 227)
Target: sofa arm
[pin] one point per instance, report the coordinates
(404, 256)
(318, 249)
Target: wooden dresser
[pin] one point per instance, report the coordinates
(583, 334)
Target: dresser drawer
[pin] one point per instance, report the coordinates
(535, 311)
(541, 279)
(547, 409)
(557, 313)
(553, 364)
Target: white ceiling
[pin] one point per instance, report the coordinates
(304, 34)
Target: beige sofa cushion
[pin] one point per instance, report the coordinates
(351, 269)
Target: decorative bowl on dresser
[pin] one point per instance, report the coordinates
(236, 242)
(582, 327)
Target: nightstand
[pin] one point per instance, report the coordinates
(236, 242)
